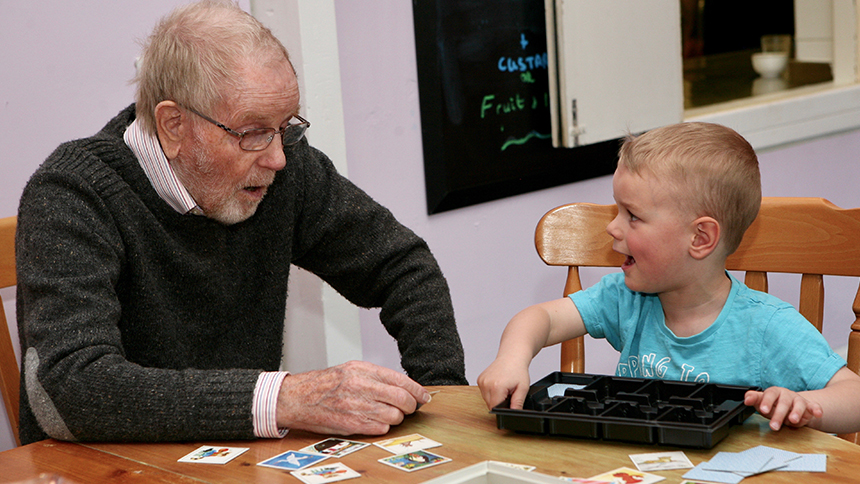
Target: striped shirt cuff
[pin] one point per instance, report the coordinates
(265, 405)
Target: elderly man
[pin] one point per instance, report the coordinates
(153, 260)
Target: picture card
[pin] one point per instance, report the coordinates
(623, 475)
(336, 471)
(807, 463)
(419, 405)
(335, 447)
(762, 458)
(292, 460)
(740, 463)
(558, 389)
(213, 454)
(413, 461)
(786, 460)
(406, 443)
(698, 473)
(661, 461)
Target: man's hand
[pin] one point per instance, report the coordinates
(352, 398)
(783, 406)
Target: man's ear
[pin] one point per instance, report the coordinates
(706, 237)
(172, 126)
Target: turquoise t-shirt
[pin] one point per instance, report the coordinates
(757, 340)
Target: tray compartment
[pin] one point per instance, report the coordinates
(722, 399)
(637, 410)
(574, 416)
(628, 420)
(611, 387)
(539, 398)
(661, 391)
(528, 423)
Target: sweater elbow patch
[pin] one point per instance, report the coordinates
(40, 403)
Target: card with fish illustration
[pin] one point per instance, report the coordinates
(293, 460)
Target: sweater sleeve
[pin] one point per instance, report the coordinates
(361, 250)
(77, 383)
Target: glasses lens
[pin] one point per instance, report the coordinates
(293, 133)
(257, 139)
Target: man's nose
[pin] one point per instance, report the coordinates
(273, 156)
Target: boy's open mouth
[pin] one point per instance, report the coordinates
(629, 261)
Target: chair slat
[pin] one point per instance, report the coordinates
(756, 280)
(811, 304)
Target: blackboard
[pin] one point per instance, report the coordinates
(483, 87)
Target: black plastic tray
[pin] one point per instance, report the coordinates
(637, 410)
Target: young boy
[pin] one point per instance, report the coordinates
(685, 194)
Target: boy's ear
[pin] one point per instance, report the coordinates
(171, 124)
(706, 236)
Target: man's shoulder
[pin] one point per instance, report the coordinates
(96, 167)
(106, 144)
(78, 162)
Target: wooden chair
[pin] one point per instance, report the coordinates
(808, 236)
(9, 373)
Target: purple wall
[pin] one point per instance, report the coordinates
(487, 251)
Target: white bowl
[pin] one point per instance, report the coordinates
(766, 85)
(769, 64)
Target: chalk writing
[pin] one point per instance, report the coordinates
(521, 64)
(533, 134)
(499, 105)
(512, 104)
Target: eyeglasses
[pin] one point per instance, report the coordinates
(258, 139)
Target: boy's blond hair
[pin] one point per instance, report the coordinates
(710, 169)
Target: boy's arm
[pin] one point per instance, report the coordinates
(531, 329)
(830, 409)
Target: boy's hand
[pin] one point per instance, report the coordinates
(783, 406)
(500, 380)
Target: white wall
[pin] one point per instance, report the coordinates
(64, 71)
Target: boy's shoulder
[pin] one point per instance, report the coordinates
(750, 300)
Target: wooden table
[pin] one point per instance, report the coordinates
(457, 417)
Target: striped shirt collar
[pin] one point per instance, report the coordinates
(151, 157)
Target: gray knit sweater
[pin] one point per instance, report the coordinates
(139, 323)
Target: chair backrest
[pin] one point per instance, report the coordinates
(9, 373)
(808, 236)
